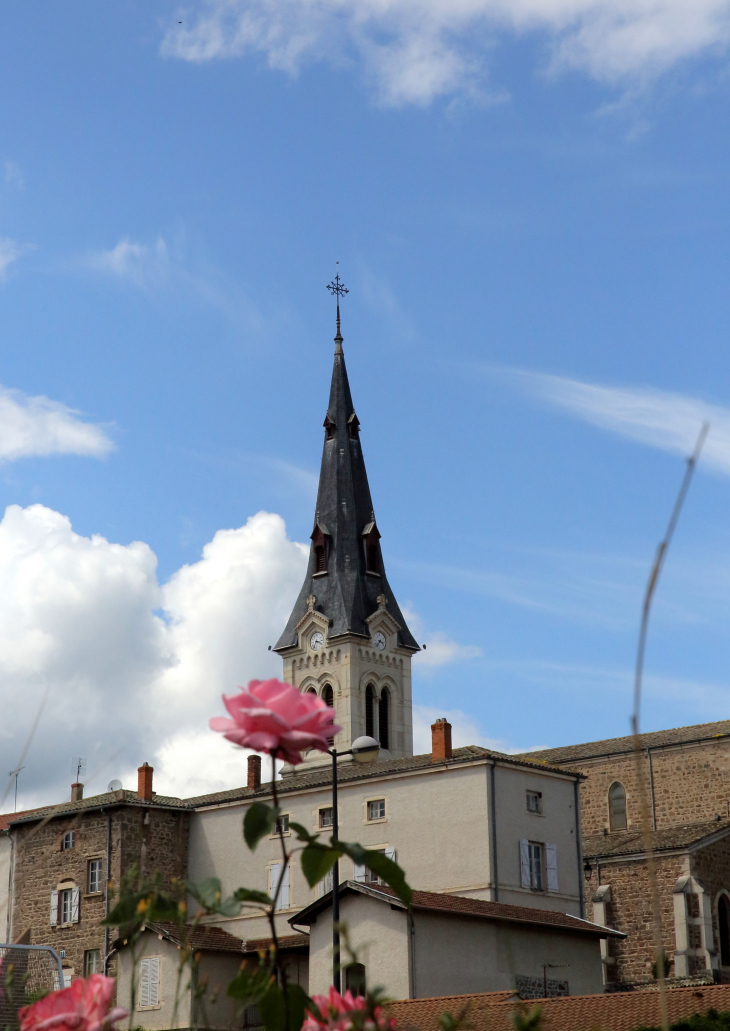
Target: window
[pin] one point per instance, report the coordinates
(92, 962)
(353, 426)
(325, 817)
(723, 919)
(376, 809)
(355, 978)
(327, 883)
(68, 840)
(275, 877)
(367, 876)
(617, 807)
(538, 866)
(370, 542)
(68, 905)
(94, 880)
(149, 982)
(282, 824)
(328, 697)
(384, 719)
(370, 710)
(319, 543)
(534, 801)
(329, 427)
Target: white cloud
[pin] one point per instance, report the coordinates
(134, 668)
(465, 730)
(139, 263)
(39, 426)
(671, 422)
(439, 649)
(10, 251)
(13, 175)
(416, 50)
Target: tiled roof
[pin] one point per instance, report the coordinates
(621, 745)
(631, 842)
(110, 798)
(287, 942)
(7, 818)
(462, 906)
(346, 772)
(202, 938)
(622, 1011)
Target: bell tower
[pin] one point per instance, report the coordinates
(346, 638)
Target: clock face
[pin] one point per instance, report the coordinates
(379, 641)
(316, 641)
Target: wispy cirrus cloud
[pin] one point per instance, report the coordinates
(668, 421)
(439, 649)
(33, 426)
(10, 251)
(415, 50)
(139, 263)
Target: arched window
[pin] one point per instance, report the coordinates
(617, 807)
(311, 690)
(384, 719)
(370, 710)
(355, 978)
(328, 697)
(723, 919)
(319, 543)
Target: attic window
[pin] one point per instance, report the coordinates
(329, 428)
(319, 543)
(370, 542)
(353, 427)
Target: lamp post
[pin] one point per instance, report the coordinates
(364, 750)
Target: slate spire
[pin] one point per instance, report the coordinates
(346, 573)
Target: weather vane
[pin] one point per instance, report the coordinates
(338, 289)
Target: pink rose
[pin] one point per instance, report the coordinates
(269, 716)
(82, 1007)
(335, 1012)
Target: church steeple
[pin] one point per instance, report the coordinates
(346, 571)
(346, 638)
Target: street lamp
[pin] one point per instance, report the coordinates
(364, 750)
(587, 870)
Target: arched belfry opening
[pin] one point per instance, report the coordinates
(384, 718)
(370, 710)
(617, 807)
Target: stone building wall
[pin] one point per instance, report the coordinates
(153, 839)
(629, 911)
(691, 784)
(711, 866)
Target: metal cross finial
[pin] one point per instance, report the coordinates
(338, 289)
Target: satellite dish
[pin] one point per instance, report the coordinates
(114, 785)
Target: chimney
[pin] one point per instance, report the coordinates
(254, 771)
(77, 792)
(440, 740)
(144, 782)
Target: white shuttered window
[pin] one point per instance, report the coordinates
(525, 863)
(149, 982)
(54, 908)
(274, 878)
(551, 864)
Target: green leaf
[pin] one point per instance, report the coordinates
(250, 983)
(302, 833)
(249, 895)
(207, 893)
(317, 861)
(386, 869)
(299, 1001)
(271, 1007)
(258, 823)
(142, 907)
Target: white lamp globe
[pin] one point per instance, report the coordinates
(365, 749)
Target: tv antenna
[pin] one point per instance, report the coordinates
(16, 773)
(80, 767)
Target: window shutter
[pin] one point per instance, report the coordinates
(154, 981)
(75, 899)
(359, 872)
(390, 853)
(327, 883)
(144, 982)
(284, 893)
(54, 908)
(551, 862)
(524, 863)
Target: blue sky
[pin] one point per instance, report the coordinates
(529, 203)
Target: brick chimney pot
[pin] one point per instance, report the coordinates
(440, 740)
(254, 771)
(77, 792)
(144, 782)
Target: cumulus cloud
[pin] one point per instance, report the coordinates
(670, 422)
(139, 263)
(38, 426)
(416, 50)
(133, 668)
(439, 649)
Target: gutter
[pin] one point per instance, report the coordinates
(493, 835)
